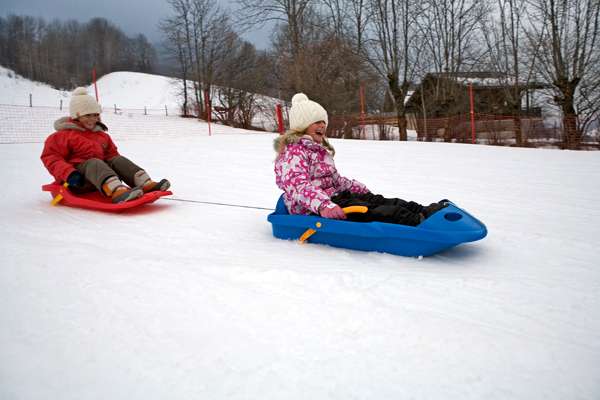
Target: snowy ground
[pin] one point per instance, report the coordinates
(185, 301)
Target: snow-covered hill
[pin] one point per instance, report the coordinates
(16, 90)
(189, 300)
(126, 90)
(129, 93)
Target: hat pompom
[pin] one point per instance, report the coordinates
(299, 98)
(79, 91)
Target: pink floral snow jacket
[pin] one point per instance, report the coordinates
(305, 171)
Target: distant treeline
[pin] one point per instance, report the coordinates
(63, 53)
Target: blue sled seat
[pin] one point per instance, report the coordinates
(445, 229)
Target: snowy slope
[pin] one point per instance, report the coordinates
(189, 300)
(129, 90)
(139, 90)
(15, 90)
(123, 93)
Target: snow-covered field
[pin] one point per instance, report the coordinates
(187, 300)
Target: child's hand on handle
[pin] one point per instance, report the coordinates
(332, 211)
(76, 179)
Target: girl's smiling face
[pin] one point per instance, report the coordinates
(89, 120)
(316, 131)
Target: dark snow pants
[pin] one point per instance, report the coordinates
(96, 171)
(381, 209)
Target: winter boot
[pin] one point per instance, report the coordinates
(142, 180)
(433, 208)
(151, 186)
(123, 194)
(118, 192)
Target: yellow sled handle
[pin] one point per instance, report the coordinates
(59, 196)
(347, 210)
(355, 209)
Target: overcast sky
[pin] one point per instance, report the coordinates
(131, 16)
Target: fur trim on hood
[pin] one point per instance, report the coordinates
(68, 123)
(291, 136)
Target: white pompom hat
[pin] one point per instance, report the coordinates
(82, 103)
(305, 112)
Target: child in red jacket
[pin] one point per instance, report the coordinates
(82, 154)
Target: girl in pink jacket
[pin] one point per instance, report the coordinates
(306, 172)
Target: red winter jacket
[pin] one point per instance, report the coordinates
(72, 144)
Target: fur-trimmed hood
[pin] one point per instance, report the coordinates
(67, 123)
(291, 137)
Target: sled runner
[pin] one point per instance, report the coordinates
(95, 201)
(445, 229)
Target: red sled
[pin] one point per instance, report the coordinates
(96, 201)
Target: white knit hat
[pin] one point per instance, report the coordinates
(305, 112)
(82, 104)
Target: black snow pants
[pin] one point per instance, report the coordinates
(381, 209)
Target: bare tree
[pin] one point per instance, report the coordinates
(64, 53)
(588, 102)
(216, 47)
(505, 49)
(568, 31)
(343, 52)
(451, 44)
(291, 14)
(394, 52)
(176, 47)
(450, 29)
(346, 19)
(359, 19)
(337, 16)
(182, 21)
(204, 39)
(241, 77)
(142, 54)
(210, 34)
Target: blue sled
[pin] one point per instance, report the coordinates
(446, 228)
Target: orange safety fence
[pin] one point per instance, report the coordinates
(523, 130)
